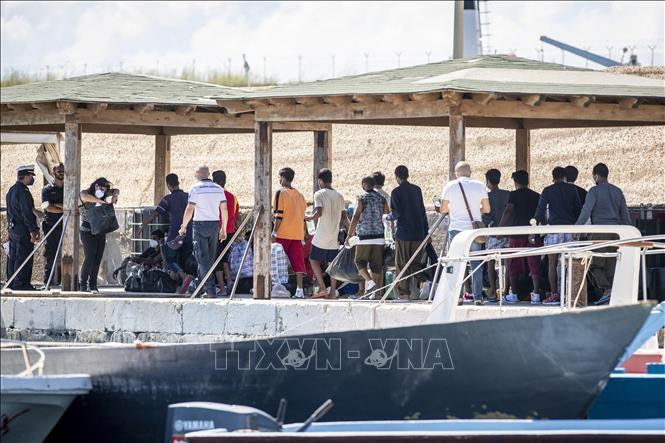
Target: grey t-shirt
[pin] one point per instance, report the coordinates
(605, 204)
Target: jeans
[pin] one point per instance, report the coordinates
(93, 249)
(20, 248)
(477, 277)
(206, 237)
(175, 259)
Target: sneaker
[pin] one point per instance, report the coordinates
(553, 299)
(511, 298)
(371, 285)
(605, 299)
(535, 298)
(478, 302)
(299, 293)
(467, 297)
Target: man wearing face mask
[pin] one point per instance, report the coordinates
(52, 197)
(23, 228)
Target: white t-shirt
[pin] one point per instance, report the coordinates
(475, 193)
(206, 195)
(331, 203)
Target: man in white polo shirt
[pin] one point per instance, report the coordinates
(477, 202)
(207, 203)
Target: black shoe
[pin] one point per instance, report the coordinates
(93, 289)
(478, 302)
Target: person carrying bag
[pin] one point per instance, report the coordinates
(476, 224)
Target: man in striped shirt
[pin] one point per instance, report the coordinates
(206, 206)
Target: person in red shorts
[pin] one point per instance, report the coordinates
(223, 271)
(289, 209)
(521, 208)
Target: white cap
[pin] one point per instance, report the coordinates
(26, 169)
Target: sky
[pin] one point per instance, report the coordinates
(292, 41)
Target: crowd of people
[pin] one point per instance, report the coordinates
(308, 238)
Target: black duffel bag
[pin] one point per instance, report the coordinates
(102, 219)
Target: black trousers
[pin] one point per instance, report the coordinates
(93, 249)
(20, 248)
(51, 247)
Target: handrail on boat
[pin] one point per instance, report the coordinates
(30, 369)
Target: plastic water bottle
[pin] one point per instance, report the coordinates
(387, 230)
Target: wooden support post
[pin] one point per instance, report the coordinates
(523, 150)
(262, 201)
(322, 154)
(162, 165)
(456, 141)
(72, 187)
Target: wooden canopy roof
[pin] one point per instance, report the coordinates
(490, 91)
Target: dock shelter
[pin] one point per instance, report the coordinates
(486, 91)
(117, 103)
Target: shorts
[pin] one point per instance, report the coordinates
(294, 251)
(557, 239)
(220, 248)
(495, 243)
(323, 255)
(516, 266)
(371, 255)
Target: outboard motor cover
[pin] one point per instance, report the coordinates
(198, 416)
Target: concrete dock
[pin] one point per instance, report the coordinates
(104, 318)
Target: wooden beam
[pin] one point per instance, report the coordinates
(308, 101)
(235, 106)
(523, 150)
(366, 99)
(629, 103)
(395, 99)
(281, 101)
(257, 103)
(425, 96)
(144, 107)
(322, 155)
(483, 98)
(67, 108)
(531, 100)
(337, 100)
(46, 106)
(162, 165)
(185, 110)
(96, 108)
(70, 242)
(166, 118)
(30, 118)
(352, 111)
(262, 201)
(456, 142)
(20, 107)
(581, 101)
(565, 111)
(535, 123)
(452, 98)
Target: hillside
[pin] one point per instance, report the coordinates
(634, 155)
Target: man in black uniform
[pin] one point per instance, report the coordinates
(52, 197)
(23, 229)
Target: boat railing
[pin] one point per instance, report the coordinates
(30, 368)
(631, 251)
